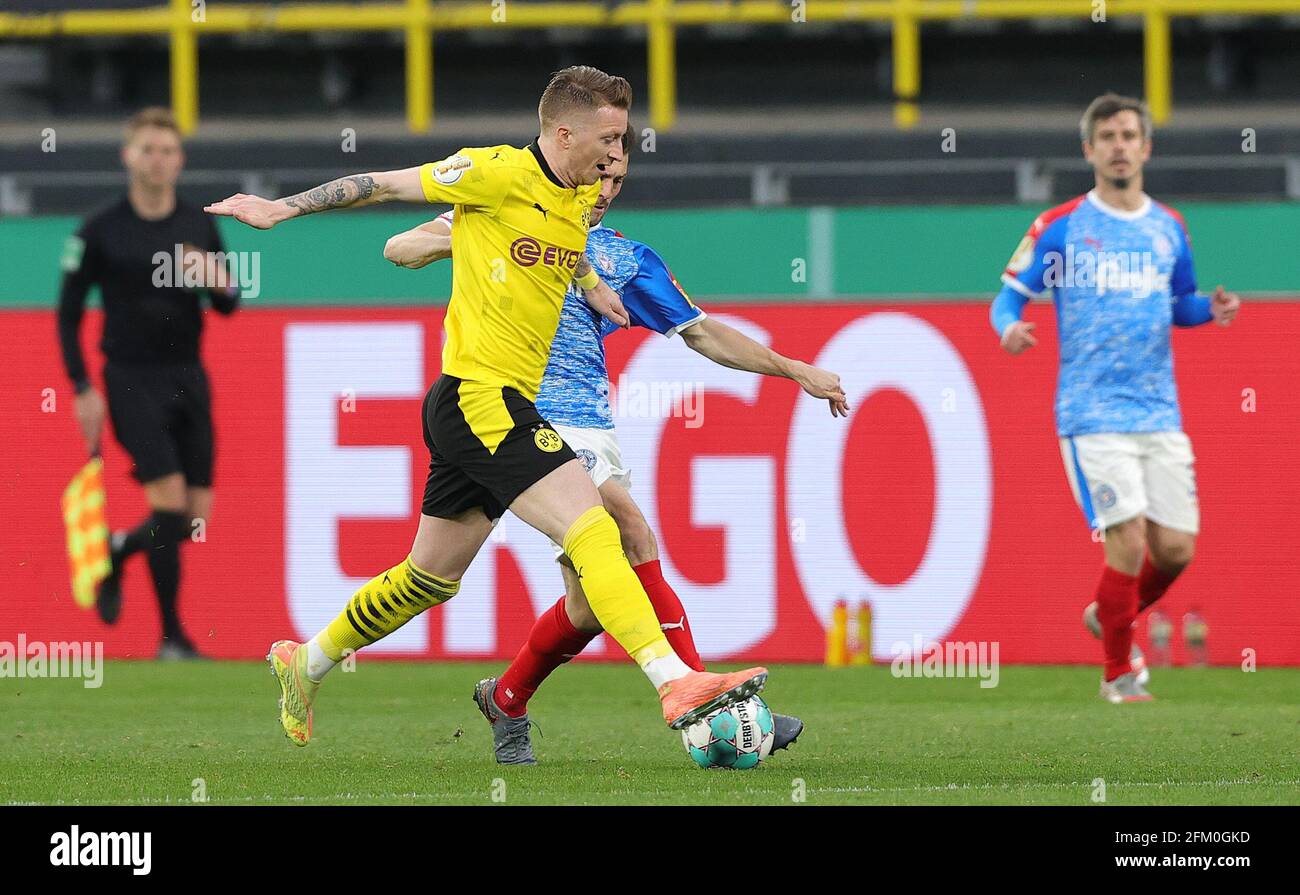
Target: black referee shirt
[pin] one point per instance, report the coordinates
(144, 323)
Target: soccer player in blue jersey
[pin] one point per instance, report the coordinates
(574, 398)
(1119, 267)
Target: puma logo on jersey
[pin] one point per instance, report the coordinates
(541, 209)
(668, 626)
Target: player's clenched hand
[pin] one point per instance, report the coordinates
(90, 414)
(824, 384)
(1018, 337)
(251, 210)
(1224, 306)
(606, 301)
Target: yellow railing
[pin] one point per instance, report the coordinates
(185, 21)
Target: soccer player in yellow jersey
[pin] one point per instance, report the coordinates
(521, 230)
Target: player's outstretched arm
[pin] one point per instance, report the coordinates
(420, 246)
(352, 191)
(731, 348)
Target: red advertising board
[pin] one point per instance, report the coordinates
(941, 499)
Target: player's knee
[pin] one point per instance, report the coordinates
(167, 493)
(639, 541)
(1126, 541)
(425, 588)
(1176, 555)
(634, 532)
(425, 560)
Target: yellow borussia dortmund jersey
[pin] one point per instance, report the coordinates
(518, 234)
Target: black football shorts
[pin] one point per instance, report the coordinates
(162, 416)
(487, 445)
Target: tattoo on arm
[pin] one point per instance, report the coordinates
(336, 194)
(582, 268)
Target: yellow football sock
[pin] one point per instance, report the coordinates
(613, 590)
(382, 605)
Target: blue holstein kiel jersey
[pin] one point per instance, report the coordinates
(575, 386)
(1118, 280)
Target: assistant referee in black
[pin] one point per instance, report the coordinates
(158, 396)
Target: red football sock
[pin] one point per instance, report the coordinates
(552, 642)
(668, 609)
(1117, 597)
(1152, 584)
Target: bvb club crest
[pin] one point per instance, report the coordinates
(547, 440)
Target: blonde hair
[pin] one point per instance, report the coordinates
(582, 87)
(152, 116)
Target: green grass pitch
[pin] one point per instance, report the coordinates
(399, 733)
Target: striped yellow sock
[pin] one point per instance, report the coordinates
(613, 590)
(382, 605)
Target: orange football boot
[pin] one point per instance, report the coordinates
(688, 699)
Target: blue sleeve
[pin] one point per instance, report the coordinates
(1033, 269)
(654, 299)
(1036, 265)
(1183, 280)
(1006, 309)
(1190, 309)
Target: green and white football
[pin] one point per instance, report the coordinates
(738, 737)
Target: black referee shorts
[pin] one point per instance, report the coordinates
(487, 445)
(162, 416)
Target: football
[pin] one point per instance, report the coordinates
(738, 737)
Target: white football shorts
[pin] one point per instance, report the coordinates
(1118, 476)
(599, 452)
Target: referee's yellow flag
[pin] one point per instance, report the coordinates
(86, 522)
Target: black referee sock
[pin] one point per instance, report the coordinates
(165, 564)
(169, 530)
(136, 539)
(156, 528)
(160, 536)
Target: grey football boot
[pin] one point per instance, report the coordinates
(510, 737)
(1124, 688)
(785, 730)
